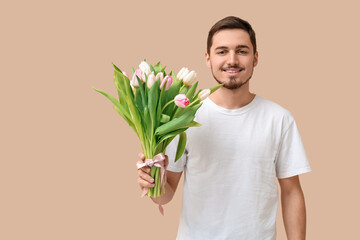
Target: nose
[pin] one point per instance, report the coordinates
(232, 58)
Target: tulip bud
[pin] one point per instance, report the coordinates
(168, 80)
(204, 94)
(160, 76)
(190, 78)
(134, 81)
(181, 100)
(151, 80)
(144, 67)
(182, 73)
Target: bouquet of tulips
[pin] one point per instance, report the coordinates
(158, 106)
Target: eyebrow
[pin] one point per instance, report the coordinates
(237, 47)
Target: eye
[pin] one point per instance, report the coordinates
(221, 52)
(243, 52)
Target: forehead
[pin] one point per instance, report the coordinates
(231, 38)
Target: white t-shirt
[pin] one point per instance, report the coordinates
(231, 163)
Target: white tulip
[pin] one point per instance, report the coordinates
(151, 80)
(190, 78)
(204, 94)
(182, 73)
(160, 76)
(144, 67)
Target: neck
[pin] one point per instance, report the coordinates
(232, 98)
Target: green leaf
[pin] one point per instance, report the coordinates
(142, 86)
(214, 88)
(152, 104)
(115, 102)
(184, 90)
(193, 124)
(134, 112)
(162, 96)
(138, 99)
(174, 124)
(170, 135)
(133, 109)
(181, 146)
(126, 119)
(173, 91)
(116, 68)
(179, 122)
(190, 93)
(152, 69)
(147, 120)
(164, 118)
(121, 80)
(160, 148)
(121, 95)
(170, 95)
(157, 67)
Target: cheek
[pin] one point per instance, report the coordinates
(249, 63)
(217, 64)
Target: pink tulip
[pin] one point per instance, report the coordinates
(181, 100)
(134, 81)
(168, 80)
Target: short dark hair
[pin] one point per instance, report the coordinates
(231, 22)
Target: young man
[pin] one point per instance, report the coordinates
(232, 161)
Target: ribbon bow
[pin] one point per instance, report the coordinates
(157, 161)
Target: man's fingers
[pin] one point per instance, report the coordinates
(141, 156)
(143, 169)
(145, 176)
(145, 184)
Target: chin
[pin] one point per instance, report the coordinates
(232, 83)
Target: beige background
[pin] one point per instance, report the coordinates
(68, 160)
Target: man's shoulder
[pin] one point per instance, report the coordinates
(274, 109)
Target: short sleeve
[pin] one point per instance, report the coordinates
(291, 159)
(170, 151)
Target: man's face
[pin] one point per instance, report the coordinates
(232, 59)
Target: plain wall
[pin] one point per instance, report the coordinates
(68, 160)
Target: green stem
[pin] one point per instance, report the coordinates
(157, 189)
(167, 104)
(152, 174)
(181, 88)
(197, 100)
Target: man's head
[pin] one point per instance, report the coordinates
(231, 52)
(231, 23)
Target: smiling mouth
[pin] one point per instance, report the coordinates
(233, 70)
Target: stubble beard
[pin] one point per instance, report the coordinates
(232, 83)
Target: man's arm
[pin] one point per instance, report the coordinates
(293, 208)
(172, 181)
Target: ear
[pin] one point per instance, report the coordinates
(207, 59)
(256, 57)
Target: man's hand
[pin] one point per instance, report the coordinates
(146, 181)
(144, 178)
